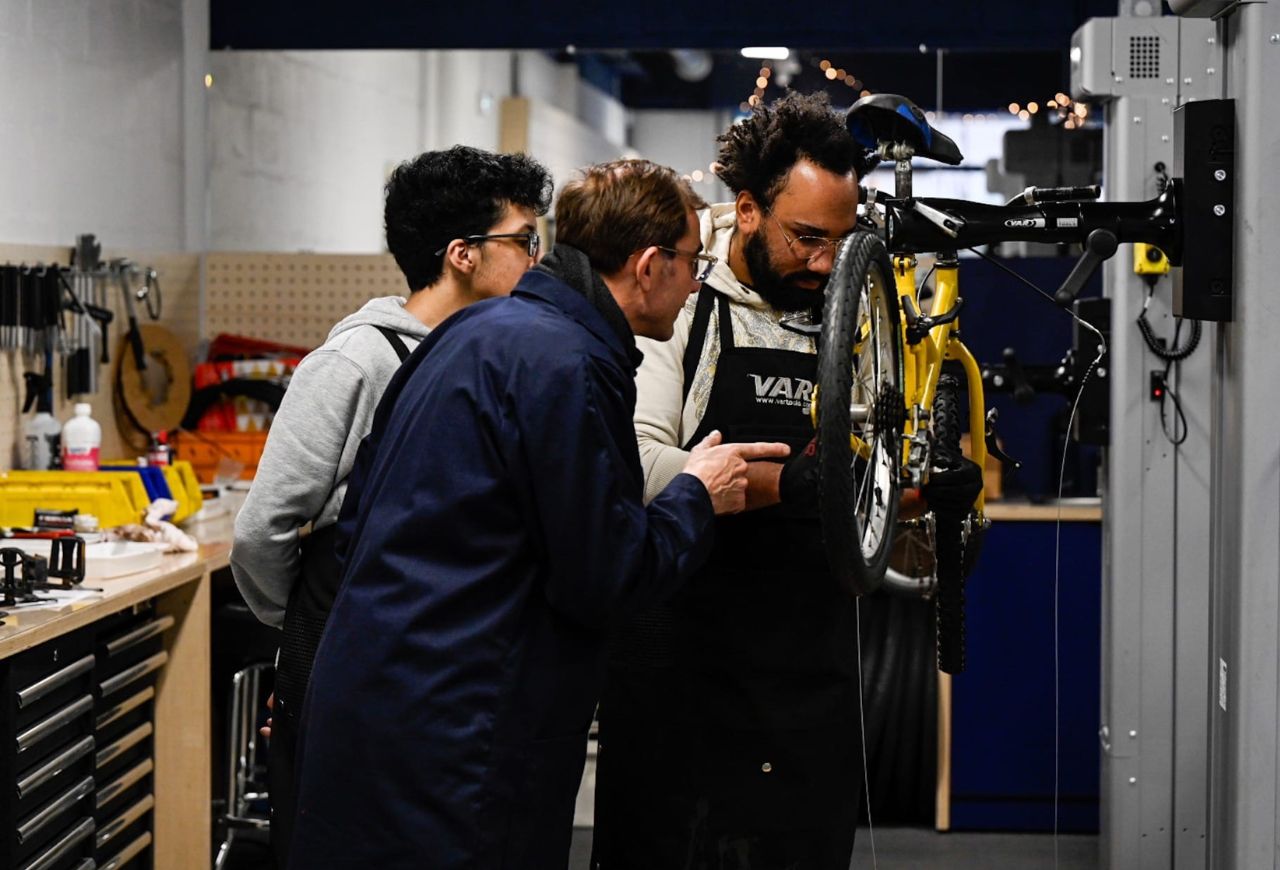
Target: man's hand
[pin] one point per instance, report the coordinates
(722, 468)
(271, 706)
(953, 492)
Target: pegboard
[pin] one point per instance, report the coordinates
(179, 276)
(292, 298)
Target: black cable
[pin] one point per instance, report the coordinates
(1170, 395)
(1173, 353)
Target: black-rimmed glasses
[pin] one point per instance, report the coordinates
(700, 265)
(532, 241)
(807, 248)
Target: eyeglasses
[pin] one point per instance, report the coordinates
(532, 241)
(700, 265)
(807, 248)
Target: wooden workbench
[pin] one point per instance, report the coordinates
(181, 589)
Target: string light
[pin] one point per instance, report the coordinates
(1060, 108)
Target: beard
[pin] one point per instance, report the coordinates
(782, 292)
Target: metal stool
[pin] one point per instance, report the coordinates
(247, 767)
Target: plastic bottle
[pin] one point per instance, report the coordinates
(81, 440)
(40, 433)
(158, 453)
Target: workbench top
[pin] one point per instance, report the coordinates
(22, 630)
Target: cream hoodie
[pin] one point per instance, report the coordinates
(663, 424)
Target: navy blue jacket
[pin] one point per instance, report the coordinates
(497, 532)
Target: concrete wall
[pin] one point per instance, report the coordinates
(93, 135)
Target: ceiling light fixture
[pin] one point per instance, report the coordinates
(766, 52)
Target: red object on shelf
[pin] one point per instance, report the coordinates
(225, 346)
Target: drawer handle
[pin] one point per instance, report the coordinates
(114, 684)
(139, 634)
(128, 741)
(131, 703)
(73, 838)
(108, 831)
(47, 726)
(41, 819)
(110, 792)
(54, 766)
(128, 853)
(38, 690)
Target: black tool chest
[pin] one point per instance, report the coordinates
(77, 727)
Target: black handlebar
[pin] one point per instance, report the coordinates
(912, 225)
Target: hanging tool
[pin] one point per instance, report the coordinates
(9, 295)
(120, 270)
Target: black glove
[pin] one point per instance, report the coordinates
(798, 483)
(952, 492)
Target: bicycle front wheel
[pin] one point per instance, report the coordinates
(859, 414)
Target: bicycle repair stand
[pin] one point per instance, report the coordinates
(1191, 554)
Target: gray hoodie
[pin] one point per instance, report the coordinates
(302, 476)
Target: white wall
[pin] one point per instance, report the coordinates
(92, 138)
(685, 140)
(300, 144)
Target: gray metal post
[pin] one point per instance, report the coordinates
(1245, 444)
(1156, 520)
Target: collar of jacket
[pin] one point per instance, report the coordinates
(565, 279)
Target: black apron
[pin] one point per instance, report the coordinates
(305, 616)
(729, 730)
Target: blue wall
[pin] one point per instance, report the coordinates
(1003, 704)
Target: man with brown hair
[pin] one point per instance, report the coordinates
(452, 692)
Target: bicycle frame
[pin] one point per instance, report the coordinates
(922, 366)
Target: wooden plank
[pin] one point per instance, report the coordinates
(183, 777)
(513, 125)
(1083, 510)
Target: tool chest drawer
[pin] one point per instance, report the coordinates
(47, 745)
(77, 746)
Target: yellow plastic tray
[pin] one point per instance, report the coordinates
(115, 499)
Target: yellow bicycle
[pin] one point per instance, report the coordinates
(902, 418)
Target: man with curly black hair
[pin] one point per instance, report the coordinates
(461, 224)
(729, 725)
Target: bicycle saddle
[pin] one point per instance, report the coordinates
(891, 118)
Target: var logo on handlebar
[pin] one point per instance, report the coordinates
(1036, 223)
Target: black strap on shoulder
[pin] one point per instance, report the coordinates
(726, 323)
(697, 336)
(397, 343)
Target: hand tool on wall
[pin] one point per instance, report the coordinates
(8, 307)
(121, 270)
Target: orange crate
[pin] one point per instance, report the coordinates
(204, 450)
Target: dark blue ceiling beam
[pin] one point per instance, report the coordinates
(413, 24)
